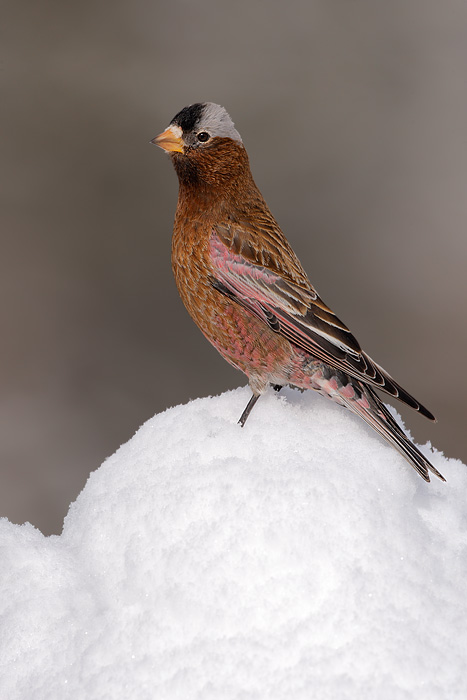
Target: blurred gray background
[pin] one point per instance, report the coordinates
(355, 119)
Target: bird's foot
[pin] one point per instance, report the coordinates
(248, 409)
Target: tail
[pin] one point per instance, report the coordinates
(379, 418)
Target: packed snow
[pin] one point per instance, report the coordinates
(299, 557)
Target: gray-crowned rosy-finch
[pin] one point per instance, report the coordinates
(245, 288)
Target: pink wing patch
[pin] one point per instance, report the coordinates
(299, 316)
(276, 301)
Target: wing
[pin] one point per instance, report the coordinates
(270, 282)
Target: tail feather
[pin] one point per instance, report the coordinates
(379, 418)
(392, 387)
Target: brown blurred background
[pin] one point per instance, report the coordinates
(355, 119)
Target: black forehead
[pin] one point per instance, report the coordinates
(189, 116)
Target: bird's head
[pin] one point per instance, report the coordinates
(204, 145)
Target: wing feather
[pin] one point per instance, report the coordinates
(270, 282)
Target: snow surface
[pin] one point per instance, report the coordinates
(299, 557)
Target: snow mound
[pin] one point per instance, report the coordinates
(297, 557)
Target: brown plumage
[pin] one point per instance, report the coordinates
(245, 288)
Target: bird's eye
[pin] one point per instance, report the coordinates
(203, 136)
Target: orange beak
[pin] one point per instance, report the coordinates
(170, 140)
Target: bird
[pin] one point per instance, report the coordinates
(245, 288)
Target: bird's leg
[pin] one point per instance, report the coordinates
(248, 409)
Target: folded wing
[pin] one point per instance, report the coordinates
(270, 282)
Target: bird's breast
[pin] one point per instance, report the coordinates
(191, 264)
(242, 339)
